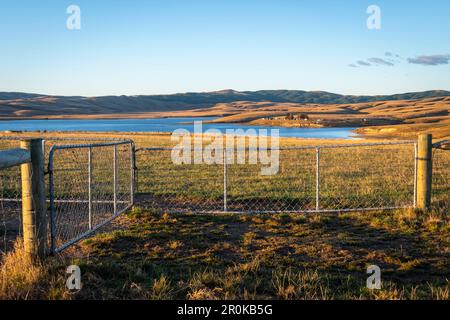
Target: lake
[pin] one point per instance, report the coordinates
(163, 125)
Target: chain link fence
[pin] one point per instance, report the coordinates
(85, 188)
(310, 179)
(91, 181)
(441, 177)
(164, 186)
(10, 208)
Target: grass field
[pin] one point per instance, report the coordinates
(162, 256)
(151, 254)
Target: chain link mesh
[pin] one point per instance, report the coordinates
(291, 189)
(335, 178)
(165, 186)
(10, 208)
(71, 187)
(441, 180)
(378, 176)
(10, 202)
(92, 184)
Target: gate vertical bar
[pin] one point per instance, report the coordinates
(43, 149)
(136, 171)
(225, 181)
(133, 166)
(115, 178)
(90, 186)
(317, 179)
(52, 203)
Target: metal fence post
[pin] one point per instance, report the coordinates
(90, 186)
(317, 179)
(424, 171)
(34, 211)
(115, 178)
(133, 168)
(415, 175)
(225, 181)
(43, 148)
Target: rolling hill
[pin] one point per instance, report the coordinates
(26, 105)
(400, 115)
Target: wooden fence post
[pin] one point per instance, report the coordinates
(34, 213)
(424, 171)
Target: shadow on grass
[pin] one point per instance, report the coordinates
(256, 256)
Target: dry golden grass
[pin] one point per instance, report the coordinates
(230, 256)
(18, 274)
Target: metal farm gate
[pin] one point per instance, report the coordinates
(89, 185)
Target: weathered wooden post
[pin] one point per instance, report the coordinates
(424, 171)
(34, 213)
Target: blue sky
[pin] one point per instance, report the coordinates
(169, 46)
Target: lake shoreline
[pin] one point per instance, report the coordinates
(155, 125)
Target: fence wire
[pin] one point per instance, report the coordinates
(10, 208)
(441, 180)
(326, 178)
(171, 187)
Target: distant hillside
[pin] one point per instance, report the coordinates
(25, 105)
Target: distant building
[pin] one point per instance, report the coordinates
(297, 116)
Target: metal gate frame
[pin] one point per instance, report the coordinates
(53, 247)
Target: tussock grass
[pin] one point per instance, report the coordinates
(161, 289)
(18, 274)
(305, 285)
(24, 279)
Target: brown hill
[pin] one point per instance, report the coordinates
(399, 117)
(25, 105)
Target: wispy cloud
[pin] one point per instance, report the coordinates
(380, 61)
(433, 60)
(363, 63)
(392, 55)
(389, 60)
